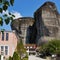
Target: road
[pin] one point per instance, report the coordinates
(33, 57)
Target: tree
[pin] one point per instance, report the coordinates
(52, 47)
(10, 58)
(16, 56)
(20, 49)
(4, 4)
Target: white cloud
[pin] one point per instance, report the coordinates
(6, 12)
(17, 14)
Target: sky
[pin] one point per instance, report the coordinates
(26, 8)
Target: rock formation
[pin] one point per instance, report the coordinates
(44, 27)
(22, 26)
(47, 22)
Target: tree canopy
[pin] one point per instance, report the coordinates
(4, 4)
(52, 47)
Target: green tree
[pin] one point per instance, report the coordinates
(4, 4)
(10, 58)
(52, 47)
(20, 48)
(16, 56)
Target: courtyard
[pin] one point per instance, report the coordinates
(33, 57)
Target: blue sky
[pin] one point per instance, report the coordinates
(26, 8)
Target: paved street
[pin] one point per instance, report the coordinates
(32, 57)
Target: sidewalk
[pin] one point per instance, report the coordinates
(33, 57)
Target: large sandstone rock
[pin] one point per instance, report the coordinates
(44, 27)
(47, 22)
(23, 28)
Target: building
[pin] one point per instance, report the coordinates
(8, 43)
(43, 27)
(31, 48)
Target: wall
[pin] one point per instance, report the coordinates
(11, 43)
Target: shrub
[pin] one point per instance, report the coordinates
(25, 59)
(26, 56)
(16, 56)
(20, 49)
(0, 57)
(52, 47)
(10, 58)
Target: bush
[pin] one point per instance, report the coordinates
(52, 47)
(25, 59)
(0, 57)
(26, 56)
(10, 58)
(16, 56)
(20, 49)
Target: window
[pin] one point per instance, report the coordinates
(2, 50)
(2, 36)
(7, 36)
(6, 50)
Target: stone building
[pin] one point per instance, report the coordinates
(43, 27)
(23, 27)
(47, 22)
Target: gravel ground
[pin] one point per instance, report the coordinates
(33, 57)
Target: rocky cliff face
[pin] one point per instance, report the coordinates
(23, 28)
(45, 25)
(47, 22)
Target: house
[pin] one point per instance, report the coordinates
(8, 43)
